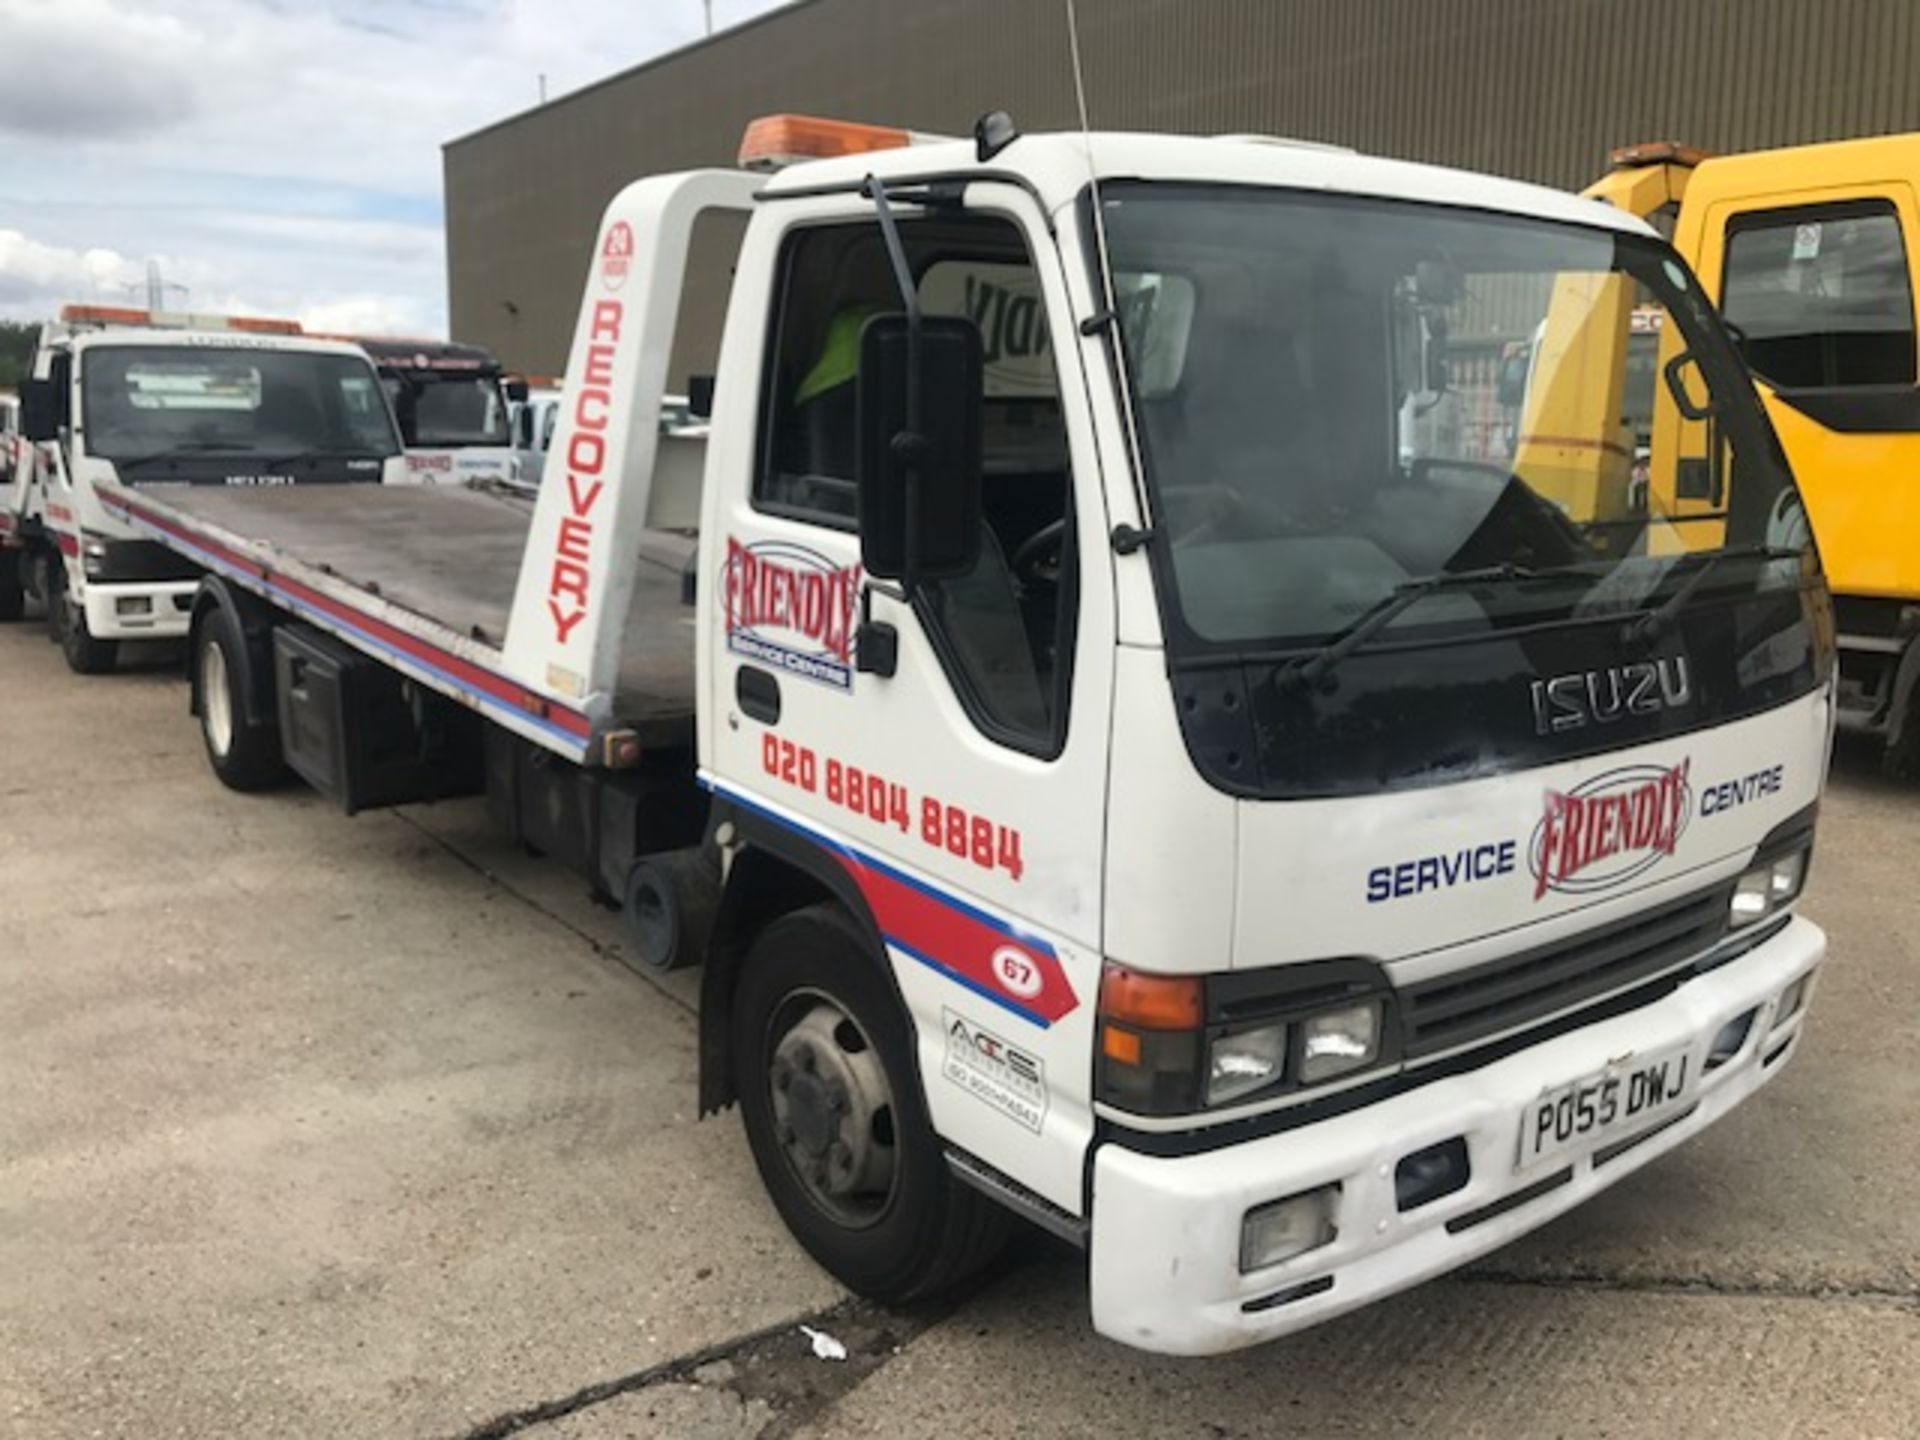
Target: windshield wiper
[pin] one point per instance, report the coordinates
(1310, 670)
(174, 452)
(1656, 622)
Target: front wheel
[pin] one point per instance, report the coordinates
(244, 754)
(829, 1094)
(86, 654)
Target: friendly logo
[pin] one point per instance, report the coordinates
(1610, 829)
(791, 608)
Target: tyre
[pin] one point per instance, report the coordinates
(13, 596)
(35, 579)
(53, 594)
(829, 1094)
(244, 754)
(85, 654)
(668, 907)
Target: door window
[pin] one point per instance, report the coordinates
(1820, 298)
(1004, 631)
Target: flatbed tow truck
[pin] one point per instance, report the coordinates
(1109, 775)
(141, 401)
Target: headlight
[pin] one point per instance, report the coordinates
(1336, 1041)
(1184, 1044)
(1765, 888)
(1785, 876)
(1240, 1062)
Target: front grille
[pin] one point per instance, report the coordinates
(1453, 1010)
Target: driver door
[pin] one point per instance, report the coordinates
(963, 792)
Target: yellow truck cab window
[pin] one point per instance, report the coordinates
(1004, 631)
(1819, 297)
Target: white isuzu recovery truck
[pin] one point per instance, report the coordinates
(1107, 776)
(150, 402)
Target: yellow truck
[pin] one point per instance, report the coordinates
(1810, 255)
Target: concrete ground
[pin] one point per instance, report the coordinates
(324, 1126)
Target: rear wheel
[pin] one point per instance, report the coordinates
(823, 1066)
(85, 654)
(13, 596)
(244, 754)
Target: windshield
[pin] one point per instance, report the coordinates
(450, 409)
(151, 400)
(1334, 427)
(1406, 464)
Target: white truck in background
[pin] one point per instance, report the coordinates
(532, 421)
(13, 460)
(155, 401)
(453, 403)
(1105, 779)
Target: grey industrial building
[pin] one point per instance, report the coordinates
(1540, 89)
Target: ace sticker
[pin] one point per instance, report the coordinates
(1004, 1076)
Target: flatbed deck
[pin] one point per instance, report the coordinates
(449, 557)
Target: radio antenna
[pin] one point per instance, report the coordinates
(1109, 299)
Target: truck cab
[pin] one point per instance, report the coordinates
(1810, 254)
(453, 404)
(155, 401)
(1272, 826)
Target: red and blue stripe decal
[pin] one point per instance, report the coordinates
(490, 691)
(1019, 972)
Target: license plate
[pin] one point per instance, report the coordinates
(1615, 1103)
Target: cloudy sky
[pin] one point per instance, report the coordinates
(277, 157)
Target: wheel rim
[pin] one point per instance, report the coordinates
(832, 1109)
(216, 699)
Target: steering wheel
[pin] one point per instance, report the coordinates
(1037, 561)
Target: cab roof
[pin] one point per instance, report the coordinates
(1056, 166)
(203, 340)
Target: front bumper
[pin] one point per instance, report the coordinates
(146, 610)
(1165, 1242)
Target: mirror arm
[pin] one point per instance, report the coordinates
(910, 443)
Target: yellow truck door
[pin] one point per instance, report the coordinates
(1817, 284)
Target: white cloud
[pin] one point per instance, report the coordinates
(285, 153)
(33, 275)
(364, 315)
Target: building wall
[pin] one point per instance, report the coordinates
(1539, 89)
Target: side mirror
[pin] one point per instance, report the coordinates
(40, 410)
(919, 495)
(517, 391)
